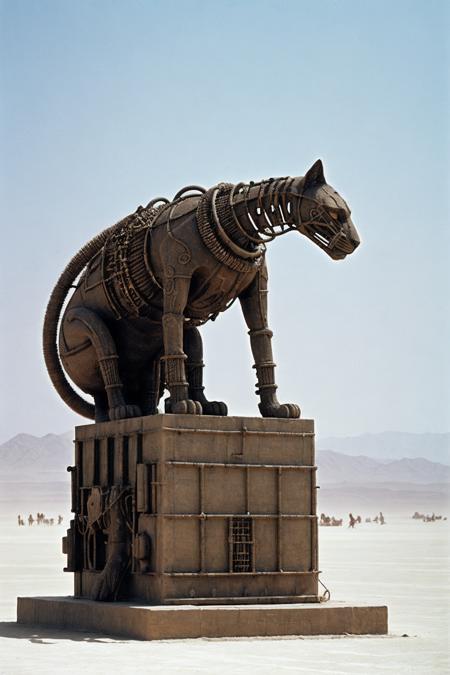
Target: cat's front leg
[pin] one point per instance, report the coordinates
(254, 307)
(176, 289)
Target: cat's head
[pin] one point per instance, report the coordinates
(323, 216)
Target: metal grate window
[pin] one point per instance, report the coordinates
(241, 545)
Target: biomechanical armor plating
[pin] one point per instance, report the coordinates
(144, 285)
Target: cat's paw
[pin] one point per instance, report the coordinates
(121, 412)
(185, 407)
(284, 410)
(215, 408)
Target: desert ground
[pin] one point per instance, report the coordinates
(404, 564)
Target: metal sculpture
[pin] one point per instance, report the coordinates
(130, 329)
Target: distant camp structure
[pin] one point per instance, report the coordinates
(329, 521)
(427, 518)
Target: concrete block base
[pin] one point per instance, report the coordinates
(154, 622)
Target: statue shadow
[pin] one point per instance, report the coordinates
(46, 635)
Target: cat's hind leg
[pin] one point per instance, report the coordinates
(94, 329)
(101, 407)
(193, 347)
(151, 388)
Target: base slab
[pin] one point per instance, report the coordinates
(156, 622)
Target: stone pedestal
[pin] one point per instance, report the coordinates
(196, 527)
(163, 622)
(217, 510)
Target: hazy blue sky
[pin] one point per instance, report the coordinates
(108, 104)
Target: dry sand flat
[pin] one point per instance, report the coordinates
(403, 564)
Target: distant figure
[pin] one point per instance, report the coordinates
(60, 519)
(352, 520)
(336, 522)
(18, 520)
(30, 520)
(358, 519)
(375, 520)
(325, 520)
(368, 520)
(51, 521)
(382, 521)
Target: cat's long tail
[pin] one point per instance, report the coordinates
(52, 316)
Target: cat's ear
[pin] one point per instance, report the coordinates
(315, 175)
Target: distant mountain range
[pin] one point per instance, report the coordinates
(33, 475)
(392, 445)
(337, 468)
(30, 458)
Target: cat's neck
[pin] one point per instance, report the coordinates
(263, 211)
